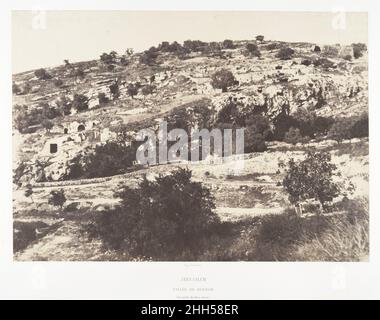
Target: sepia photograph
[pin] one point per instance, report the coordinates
(190, 136)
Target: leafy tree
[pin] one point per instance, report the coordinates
(42, 74)
(285, 53)
(162, 219)
(223, 79)
(57, 198)
(312, 178)
(80, 102)
(132, 90)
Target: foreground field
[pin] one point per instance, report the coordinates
(247, 203)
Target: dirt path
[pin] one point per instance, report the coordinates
(65, 244)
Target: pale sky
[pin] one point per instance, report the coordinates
(46, 39)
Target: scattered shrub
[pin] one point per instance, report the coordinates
(306, 62)
(115, 90)
(358, 49)
(285, 53)
(132, 90)
(64, 105)
(324, 63)
(16, 89)
(80, 102)
(223, 79)
(294, 136)
(228, 44)
(331, 51)
(109, 58)
(260, 38)
(58, 83)
(348, 57)
(42, 74)
(57, 198)
(103, 99)
(253, 49)
(47, 125)
(148, 89)
(149, 57)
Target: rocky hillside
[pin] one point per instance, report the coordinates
(60, 112)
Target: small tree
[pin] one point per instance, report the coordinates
(312, 178)
(223, 79)
(47, 124)
(260, 38)
(285, 53)
(103, 99)
(80, 102)
(58, 82)
(253, 49)
(132, 90)
(147, 90)
(57, 198)
(115, 90)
